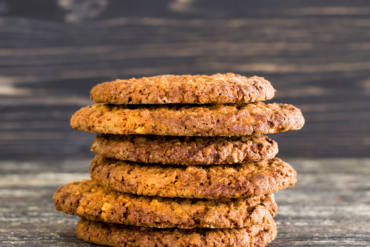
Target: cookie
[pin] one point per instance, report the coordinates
(184, 89)
(210, 182)
(89, 200)
(185, 150)
(210, 120)
(121, 235)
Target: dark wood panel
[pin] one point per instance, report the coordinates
(316, 54)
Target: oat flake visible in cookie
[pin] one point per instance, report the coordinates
(211, 182)
(210, 120)
(184, 89)
(185, 150)
(92, 201)
(119, 235)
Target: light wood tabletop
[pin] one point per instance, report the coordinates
(329, 205)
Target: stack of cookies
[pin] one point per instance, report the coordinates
(181, 161)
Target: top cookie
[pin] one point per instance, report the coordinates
(184, 89)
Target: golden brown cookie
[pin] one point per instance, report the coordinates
(185, 150)
(210, 182)
(210, 120)
(184, 89)
(118, 235)
(92, 201)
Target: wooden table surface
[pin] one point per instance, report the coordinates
(315, 53)
(329, 205)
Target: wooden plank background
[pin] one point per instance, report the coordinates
(316, 54)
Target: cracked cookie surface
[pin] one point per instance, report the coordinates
(118, 235)
(185, 120)
(184, 89)
(92, 201)
(210, 182)
(185, 150)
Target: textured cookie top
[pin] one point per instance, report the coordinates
(123, 236)
(185, 150)
(211, 182)
(89, 200)
(210, 120)
(184, 89)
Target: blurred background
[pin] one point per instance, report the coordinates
(52, 52)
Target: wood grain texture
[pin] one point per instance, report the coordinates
(315, 53)
(329, 205)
